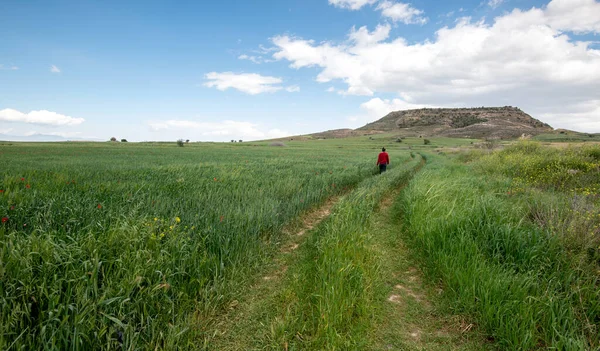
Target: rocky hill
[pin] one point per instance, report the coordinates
(482, 122)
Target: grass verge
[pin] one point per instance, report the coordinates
(497, 265)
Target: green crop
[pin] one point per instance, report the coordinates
(104, 244)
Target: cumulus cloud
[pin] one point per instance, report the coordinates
(228, 129)
(579, 16)
(41, 117)
(522, 58)
(401, 12)
(249, 83)
(54, 69)
(351, 4)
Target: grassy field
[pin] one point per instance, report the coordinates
(152, 246)
(103, 244)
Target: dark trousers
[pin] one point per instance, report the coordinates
(382, 168)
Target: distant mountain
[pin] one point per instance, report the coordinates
(41, 137)
(501, 122)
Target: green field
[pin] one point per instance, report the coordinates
(155, 246)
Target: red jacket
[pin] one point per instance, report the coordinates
(383, 159)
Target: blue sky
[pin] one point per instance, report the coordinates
(203, 70)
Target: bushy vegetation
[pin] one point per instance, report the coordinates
(572, 174)
(109, 245)
(497, 234)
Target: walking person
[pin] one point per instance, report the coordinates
(383, 160)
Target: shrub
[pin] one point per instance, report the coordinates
(113, 139)
(399, 140)
(180, 143)
(426, 141)
(491, 143)
(123, 140)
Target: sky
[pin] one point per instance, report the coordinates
(237, 69)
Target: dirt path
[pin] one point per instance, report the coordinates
(241, 327)
(408, 319)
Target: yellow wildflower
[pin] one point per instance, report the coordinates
(177, 219)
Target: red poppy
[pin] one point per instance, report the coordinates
(22, 179)
(221, 219)
(99, 206)
(28, 186)
(4, 219)
(215, 179)
(1, 191)
(12, 207)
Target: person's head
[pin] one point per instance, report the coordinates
(383, 149)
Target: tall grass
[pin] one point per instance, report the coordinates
(108, 246)
(331, 290)
(494, 262)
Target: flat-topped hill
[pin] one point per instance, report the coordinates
(481, 122)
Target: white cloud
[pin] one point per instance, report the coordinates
(495, 3)
(401, 12)
(249, 83)
(351, 4)
(362, 36)
(11, 67)
(6, 131)
(522, 58)
(579, 16)
(331, 90)
(292, 89)
(54, 69)
(60, 134)
(41, 117)
(224, 130)
(255, 59)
